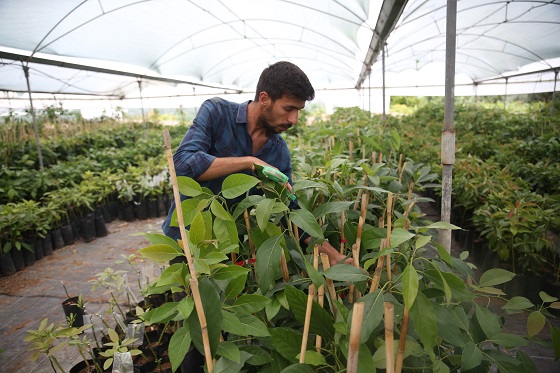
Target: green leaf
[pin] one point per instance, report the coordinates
(179, 345)
(287, 342)
(197, 232)
(346, 272)
(298, 368)
(244, 325)
(210, 303)
(373, 314)
(314, 275)
(188, 187)
(440, 367)
(201, 266)
(535, 323)
(259, 356)
(410, 285)
(306, 221)
(250, 303)
(226, 230)
(527, 364)
(230, 351)
(425, 323)
(235, 287)
(471, 358)
(163, 313)
(422, 241)
(225, 365)
(508, 340)
(495, 276)
(442, 225)
(160, 253)
(321, 322)
(231, 271)
(238, 184)
(399, 236)
(219, 211)
(443, 253)
(268, 263)
(314, 358)
(555, 336)
(185, 307)
(331, 207)
(547, 298)
(157, 238)
(488, 321)
(517, 303)
(263, 211)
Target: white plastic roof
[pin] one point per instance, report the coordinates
(222, 46)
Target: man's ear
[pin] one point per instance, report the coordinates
(264, 98)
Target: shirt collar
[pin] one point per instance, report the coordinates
(242, 119)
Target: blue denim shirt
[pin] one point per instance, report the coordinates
(220, 130)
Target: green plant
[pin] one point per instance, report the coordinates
(49, 339)
(117, 346)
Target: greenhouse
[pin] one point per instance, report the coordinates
(279, 186)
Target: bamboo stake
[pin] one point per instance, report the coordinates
(186, 248)
(329, 282)
(389, 337)
(351, 149)
(402, 341)
(251, 244)
(342, 238)
(401, 171)
(373, 157)
(284, 267)
(380, 159)
(400, 164)
(320, 295)
(355, 333)
(310, 297)
(389, 223)
(379, 268)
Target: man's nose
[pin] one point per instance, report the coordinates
(293, 117)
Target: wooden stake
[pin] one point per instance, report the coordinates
(342, 238)
(373, 157)
(402, 341)
(329, 282)
(251, 245)
(380, 159)
(401, 171)
(188, 254)
(284, 267)
(389, 338)
(378, 269)
(320, 295)
(355, 333)
(310, 297)
(389, 223)
(351, 149)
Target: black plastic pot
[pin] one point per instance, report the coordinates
(29, 256)
(81, 367)
(7, 267)
(140, 210)
(151, 208)
(193, 361)
(38, 248)
(516, 287)
(57, 240)
(70, 306)
(533, 286)
(162, 206)
(67, 234)
(87, 227)
(17, 257)
(106, 214)
(47, 244)
(100, 227)
(128, 213)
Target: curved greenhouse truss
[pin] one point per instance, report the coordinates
(101, 50)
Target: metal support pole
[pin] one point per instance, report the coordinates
(448, 135)
(383, 77)
(142, 104)
(35, 128)
(505, 95)
(554, 92)
(369, 92)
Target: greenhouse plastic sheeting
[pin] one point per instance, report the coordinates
(225, 44)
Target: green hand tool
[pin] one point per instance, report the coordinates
(275, 175)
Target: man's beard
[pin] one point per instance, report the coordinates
(264, 120)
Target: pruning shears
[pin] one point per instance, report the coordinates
(275, 175)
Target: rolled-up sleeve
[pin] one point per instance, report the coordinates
(191, 158)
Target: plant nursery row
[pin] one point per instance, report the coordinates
(242, 293)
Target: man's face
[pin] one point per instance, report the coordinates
(280, 115)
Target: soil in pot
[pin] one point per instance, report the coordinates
(70, 306)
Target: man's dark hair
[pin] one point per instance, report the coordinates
(285, 78)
